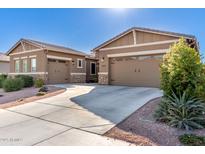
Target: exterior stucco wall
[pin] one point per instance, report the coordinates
(145, 37)
(25, 50)
(77, 75)
(141, 37)
(74, 68)
(41, 64)
(41, 61)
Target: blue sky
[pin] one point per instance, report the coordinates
(84, 29)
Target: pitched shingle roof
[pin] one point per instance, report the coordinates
(145, 30)
(49, 46)
(3, 57)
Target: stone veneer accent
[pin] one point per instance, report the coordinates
(78, 78)
(103, 78)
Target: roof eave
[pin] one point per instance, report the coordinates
(4, 60)
(62, 51)
(14, 46)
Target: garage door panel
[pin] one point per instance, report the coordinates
(58, 71)
(135, 71)
(120, 74)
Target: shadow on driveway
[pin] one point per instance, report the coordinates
(115, 103)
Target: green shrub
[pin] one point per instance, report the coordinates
(2, 79)
(182, 70)
(39, 83)
(192, 140)
(3, 76)
(28, 80)
(13, 84)
(182, 111)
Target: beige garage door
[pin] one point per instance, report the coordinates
(58, 71)
(135, 71)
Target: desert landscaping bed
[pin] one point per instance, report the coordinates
(141, 128)
(26, 95)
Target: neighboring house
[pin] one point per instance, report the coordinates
(133, 57)
(4, 64)
(52, 63)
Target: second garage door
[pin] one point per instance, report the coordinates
(135, 71)
(58, 71)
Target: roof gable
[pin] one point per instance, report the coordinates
(146, 30)
(32, 44)
(126, 39)
(23, 45)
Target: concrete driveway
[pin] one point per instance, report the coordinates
(78, 116)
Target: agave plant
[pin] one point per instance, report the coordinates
(182, 111)
(162, 111)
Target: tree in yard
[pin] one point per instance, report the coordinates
(183, 83)
(182, 71)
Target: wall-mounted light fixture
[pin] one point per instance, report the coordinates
(102, 59)
(73, 62)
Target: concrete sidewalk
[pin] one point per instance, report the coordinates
(78, 116)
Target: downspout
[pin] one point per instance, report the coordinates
(46, 53)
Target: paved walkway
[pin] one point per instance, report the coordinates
(78, 116)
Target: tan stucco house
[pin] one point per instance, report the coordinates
(133, 57)
(4, 64)
(52, 63)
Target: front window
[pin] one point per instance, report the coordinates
(25, 65)
(79, 63)
(93, 68)
(33, 65)
(17, 66)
